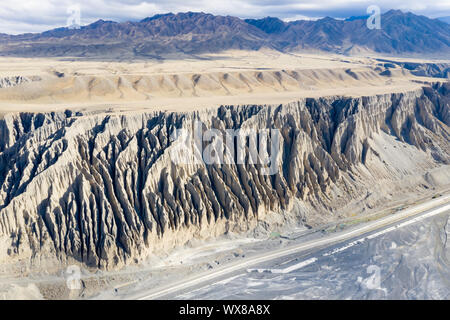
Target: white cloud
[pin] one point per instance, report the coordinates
(300, 17)
(18, 16)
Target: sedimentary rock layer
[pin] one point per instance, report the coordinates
(104, 190)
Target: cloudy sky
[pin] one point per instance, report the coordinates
(20, 16)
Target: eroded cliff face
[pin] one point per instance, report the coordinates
(8, 82)
(102, 188)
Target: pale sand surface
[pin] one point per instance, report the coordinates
(232, 77)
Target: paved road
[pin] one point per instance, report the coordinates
(355, 235)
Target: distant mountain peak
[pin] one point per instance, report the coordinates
(395, 11)
(196, 32)
(353, 18)
(444, 19)
(273, 19)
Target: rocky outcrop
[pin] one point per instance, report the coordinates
(189, 33)
(421, 69)
(103, 189)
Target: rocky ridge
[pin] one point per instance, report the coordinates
(8, 82)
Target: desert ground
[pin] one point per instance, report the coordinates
(203, 81)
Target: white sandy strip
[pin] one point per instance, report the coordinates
(209, 276)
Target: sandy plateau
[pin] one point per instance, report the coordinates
(86, 177)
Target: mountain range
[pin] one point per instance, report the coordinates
(194, 33)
